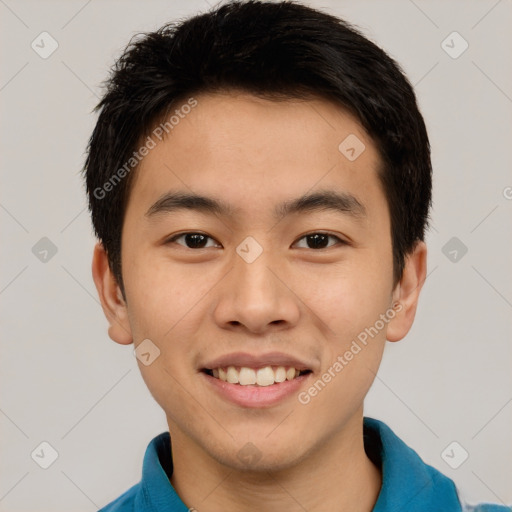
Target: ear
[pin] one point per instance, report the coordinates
(111, 297)
(407, 292)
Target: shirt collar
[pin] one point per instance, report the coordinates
(155, 491)
(408, 484)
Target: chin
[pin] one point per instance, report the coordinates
(263, 463)
(259, 455)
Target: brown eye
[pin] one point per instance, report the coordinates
(192, 240)
(319, 240)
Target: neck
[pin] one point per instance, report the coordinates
(337, 476)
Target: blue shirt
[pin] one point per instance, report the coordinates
(408, 484)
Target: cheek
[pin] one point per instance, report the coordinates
(347, 301)
(164, 306)
(347, 296)
(350, 310)
(162, 296)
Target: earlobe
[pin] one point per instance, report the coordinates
(407, 292)
(111, 298)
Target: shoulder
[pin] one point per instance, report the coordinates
(124, 503)
(408, 482)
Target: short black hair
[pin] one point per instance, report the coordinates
(274, 50)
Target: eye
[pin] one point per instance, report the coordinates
(196, 240)
(320, 240)
(192, 240)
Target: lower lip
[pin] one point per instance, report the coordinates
(256, 396)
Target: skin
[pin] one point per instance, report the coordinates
(199, 304)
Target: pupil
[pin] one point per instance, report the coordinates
(194, 240)
(318, 240)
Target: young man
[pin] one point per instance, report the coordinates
(260, 181)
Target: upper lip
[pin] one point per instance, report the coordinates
(256, 361)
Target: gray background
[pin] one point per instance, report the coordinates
(64, 382)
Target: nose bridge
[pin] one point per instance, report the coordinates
(252, 273)
(255, 277)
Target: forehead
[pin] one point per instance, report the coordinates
(253, 152)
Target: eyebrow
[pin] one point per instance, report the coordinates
(323, 200)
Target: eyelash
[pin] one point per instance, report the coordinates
(176, 237)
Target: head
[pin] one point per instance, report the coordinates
(280, 123)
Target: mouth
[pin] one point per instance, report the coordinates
(261, 380)
(256, 377)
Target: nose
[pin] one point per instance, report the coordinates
(257, 296)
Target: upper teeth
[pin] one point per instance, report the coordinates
(262, 377)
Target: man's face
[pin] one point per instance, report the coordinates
(255, 290)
